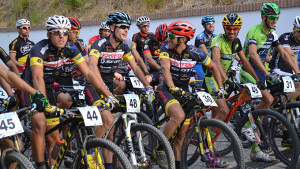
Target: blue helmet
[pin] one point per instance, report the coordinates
(118, 17)
(207, 18)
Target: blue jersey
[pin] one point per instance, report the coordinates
(203, 39)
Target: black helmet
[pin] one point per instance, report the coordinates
(118, 17)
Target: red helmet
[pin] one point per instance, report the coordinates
(182, 28)
(161, 32)
(75, 24)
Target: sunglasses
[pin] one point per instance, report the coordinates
(232, 28)
(273, 17)
(25, 28)
(60, 32)
(145, 26)
(210, 23)
(122, 26)
(297, 30)
(75, 31)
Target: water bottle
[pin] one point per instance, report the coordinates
(56, 148)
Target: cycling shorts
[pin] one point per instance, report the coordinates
(155, 78)
(92, 97)
(245, 77)
(24, 99)
(210, 85)
(52, 97)
(199, 72)
(167, 99)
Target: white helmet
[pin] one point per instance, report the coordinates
(297, 22)
(103, 25)
(141, 20)
(57, 22)
(21, 22)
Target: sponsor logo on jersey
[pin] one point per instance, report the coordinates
(112, 55)
(182, 64)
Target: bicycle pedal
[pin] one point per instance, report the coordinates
(204, 158)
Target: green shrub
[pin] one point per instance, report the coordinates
(35, 17)
(75, 3)
(153, 4)
(12, 20)
(20, 5)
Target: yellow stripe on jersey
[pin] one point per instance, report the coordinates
(36, 61)
(133, 47)
(95, 52)
(128, 56)
(78, 59)
(206, 61)
(23, 59)
(164, 55)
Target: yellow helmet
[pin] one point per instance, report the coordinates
(232, 19)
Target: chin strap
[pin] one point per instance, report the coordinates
(209, 32)
(178, 42)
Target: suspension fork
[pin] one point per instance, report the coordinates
(128, 139)
(140, 140)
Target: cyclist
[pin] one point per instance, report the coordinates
(47, 59)
(151, 53)
(18, 52)
(177, 60)
(259, 39)
(203, 41)
(104, 31)
(105, 55)
(143, 23)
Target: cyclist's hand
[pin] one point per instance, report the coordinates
(261, 85)
(271, 78)
(51, 111)
(148, 77)
(150, 94)
(40, 100)
(176, 90)
(296, 77)
(113, 102)
(118, 76)
(222, 92)
(232, 85)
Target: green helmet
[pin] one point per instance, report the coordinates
(270, 9)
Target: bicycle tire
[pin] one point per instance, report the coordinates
(276, 118)
(20, 159)
(293, 105)
(156, 136)
(102, 143)
(238, 155)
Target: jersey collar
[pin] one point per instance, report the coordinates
(143, 34)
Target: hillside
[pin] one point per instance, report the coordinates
(37, 11)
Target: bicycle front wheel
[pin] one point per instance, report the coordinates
(153, 141)
(190, 151)
(95, 157)
(271, 126)
(18, 159)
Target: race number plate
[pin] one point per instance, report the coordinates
(254, 90)
(288, 84)
(136, 83)
(3, 94)
(206, 99)
(81, 94)
(132, 102)
(91, 116)
(10, 125)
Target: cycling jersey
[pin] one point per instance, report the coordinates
(3, 56)
(203, 39)
(286, 40)
(256, 35)
(109, 58)
(92, 40)
(52, 61)
(22, 48)
(182, 66)
(152, 47)
(123, 65)
(139, 39)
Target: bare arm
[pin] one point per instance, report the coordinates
(139, 60)
(6, 87)
(38, 79)
(203, 48)
(12, 55)
(287, 56)
(152, 63)
(216, 73)
(256, 59)
(165, 70)
(217, 61)
(10, 64)
(138, 72)
(14, 80)
(247, 65)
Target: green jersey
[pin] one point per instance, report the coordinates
(228, 51)
(256, 35)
